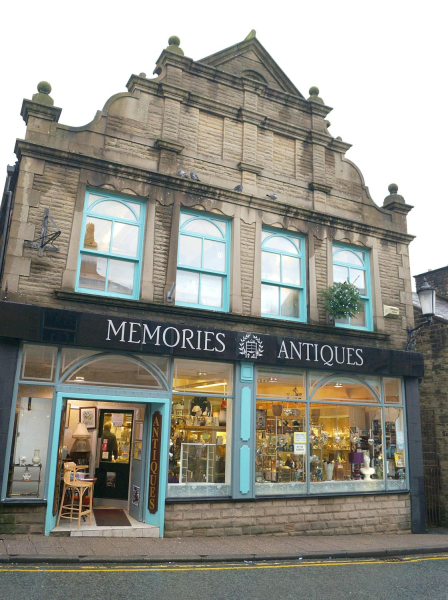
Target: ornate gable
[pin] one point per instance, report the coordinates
(251, 60)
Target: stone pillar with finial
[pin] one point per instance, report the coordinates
(319, 138)
(169, 68)
(398, 207)
(40, 107)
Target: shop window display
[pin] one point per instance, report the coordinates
(395, 448)
(199, 455)
(346, 447)
(30, 442)
(334, 433)
(281, 448)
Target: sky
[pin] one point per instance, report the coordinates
(380, 65)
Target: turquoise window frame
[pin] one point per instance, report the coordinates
(137, 261)
(200, 270)
(301, 248)
(364, 255)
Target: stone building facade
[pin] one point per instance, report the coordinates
(432, 342)
(233, 119)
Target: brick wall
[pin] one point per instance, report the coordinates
(310, 516)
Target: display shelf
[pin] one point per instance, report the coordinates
(29, 481)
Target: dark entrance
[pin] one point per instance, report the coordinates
(115, 443)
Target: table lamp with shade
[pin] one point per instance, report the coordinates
(81, 447)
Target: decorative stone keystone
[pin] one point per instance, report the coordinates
(173, 45)
(314, 95)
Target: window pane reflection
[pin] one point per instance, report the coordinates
(92, 274)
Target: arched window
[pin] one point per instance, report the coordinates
(203, 262)
(283, 276)
(116, 370)
(111, 246)
(351, 263)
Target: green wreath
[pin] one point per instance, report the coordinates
(342, 300)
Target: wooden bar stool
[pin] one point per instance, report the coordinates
(69, 508)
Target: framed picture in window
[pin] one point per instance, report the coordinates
(87, 415)
(261, 419)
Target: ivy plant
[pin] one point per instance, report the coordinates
(342, 300)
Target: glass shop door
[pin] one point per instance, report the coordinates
(114, 454)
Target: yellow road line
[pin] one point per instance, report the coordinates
(93, 569)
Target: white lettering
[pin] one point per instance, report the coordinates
(199, 340)
(294, 349)
(358, 353)
(220, 342)
(316, 353)
(283, 350)
(340, 362)
(329, 362)
(349, 356)
(164, 337)
(187, 339)
(207, 340)
(307, 344)
(116, 331)
(150, 335)
(132, 331)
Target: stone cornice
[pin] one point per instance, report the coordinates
(42, 111)
(250, 116)
(398, 207)
(108, 167)
(214, 316)
(175, 93)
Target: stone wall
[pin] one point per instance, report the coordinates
(437, 279)
(310, 516)
(21, 518)
(432, 341)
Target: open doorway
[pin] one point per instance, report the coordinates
(106, 441)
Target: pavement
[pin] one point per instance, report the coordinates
(63, 550)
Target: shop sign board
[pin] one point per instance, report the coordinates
(38, 324)
(154, 462)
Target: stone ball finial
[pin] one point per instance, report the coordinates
(393, 196)
(174, 45)
(43, 94)
(44, 87)
(314, 95)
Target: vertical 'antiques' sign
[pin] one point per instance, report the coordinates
(154, 462)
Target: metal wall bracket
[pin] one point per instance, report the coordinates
(45, 241)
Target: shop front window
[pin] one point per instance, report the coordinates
(345, 448)
(281, 447)
(200, 437)
(27, 468)
(395, 448)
